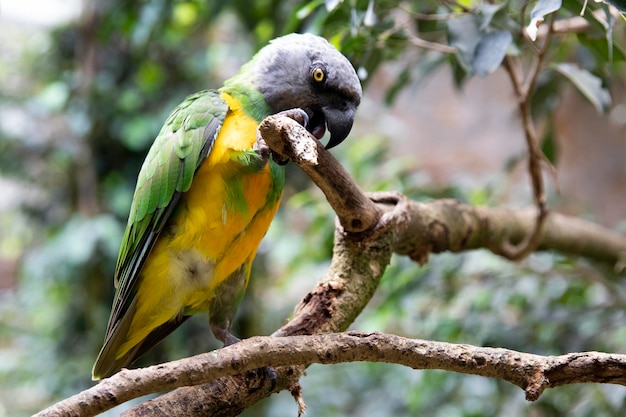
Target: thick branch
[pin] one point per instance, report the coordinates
(532, 373)
(334, 303)
(447, 225)
(359, 260)
(441, 225)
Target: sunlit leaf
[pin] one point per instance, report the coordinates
(588, 84)
(468, 4)
(370, 17)
(150, 76)
(362, 73)
(332, 4)
(54, 96)
(490, 52)
(542, 8)
(185, 14)
(306, 10)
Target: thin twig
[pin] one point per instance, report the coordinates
(433, 46)
(427, 16)
(536, 158)
(405, 25)
(577, 24)
(539, 59)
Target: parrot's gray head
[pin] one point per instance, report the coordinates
(305, 71)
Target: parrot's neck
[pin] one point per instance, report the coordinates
(241, 87)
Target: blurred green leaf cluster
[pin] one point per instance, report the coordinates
(81, 104)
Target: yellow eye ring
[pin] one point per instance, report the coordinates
(318, 75)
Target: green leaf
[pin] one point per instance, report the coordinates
(544, 7)
(137, 133)
(479, 53)
(54, 96)
(588, 84)
(486, 12)
(602, 50)
(401, 81)
(332, 4)
(490, 52)
(185, 14)
(549, 146)
(306, 10)
(370, 19)
(463, 34)
(416, 73)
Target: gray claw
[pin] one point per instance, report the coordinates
(298, 115)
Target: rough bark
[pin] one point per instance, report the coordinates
(532, 373)
(370, 229)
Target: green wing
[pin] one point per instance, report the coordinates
(178, 151)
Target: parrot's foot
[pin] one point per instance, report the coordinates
(296, 114)
(261, 147)
(268, 372)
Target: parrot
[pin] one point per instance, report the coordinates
(209, 189)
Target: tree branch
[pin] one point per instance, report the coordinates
(578, 24)
(532, 373)
(447, 225)
(441, 225)
(289, 139)
(387, 223)
(523, 92)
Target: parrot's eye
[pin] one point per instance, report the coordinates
(318, 75)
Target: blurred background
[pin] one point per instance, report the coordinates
(86, 85)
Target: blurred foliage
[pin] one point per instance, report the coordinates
(81, 104)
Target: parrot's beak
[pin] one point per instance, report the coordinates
(338, 121)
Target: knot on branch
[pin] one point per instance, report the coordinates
(537, 383)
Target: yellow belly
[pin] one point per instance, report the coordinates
(211, 233)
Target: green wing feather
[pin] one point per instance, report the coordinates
(178, 151)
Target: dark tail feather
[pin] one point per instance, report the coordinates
(107, 364)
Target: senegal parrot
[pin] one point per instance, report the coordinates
(208, 190)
